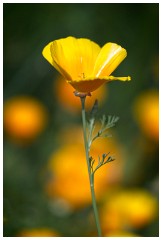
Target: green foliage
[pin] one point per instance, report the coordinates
(101, 161)
(106, 123)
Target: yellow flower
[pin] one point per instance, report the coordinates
(72, 104)
(69, 176)
(24, 118)
(120, 233)
(128, 208)
(146, 113)
(83, 63)
(38, 232)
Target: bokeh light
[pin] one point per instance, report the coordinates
(67, 170)
(65, 96)
(42, 232)
(128, 209)
(24, 118)
(146, 113)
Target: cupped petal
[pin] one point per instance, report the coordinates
(90, 85)
(87, 86)
(47, 55)
(75, 57)
(110, 56)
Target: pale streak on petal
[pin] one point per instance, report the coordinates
(110, 56)
(112, 78)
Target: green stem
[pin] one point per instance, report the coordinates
(91, 175)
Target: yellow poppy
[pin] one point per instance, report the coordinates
(120, 233)
(38, 232)
(72, 104)
(146, 113)
(83, 63)
(62, 167)
(24, 118)
(128, 208)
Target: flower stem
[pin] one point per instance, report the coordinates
(90, 173)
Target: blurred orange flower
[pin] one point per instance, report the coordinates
(24, 118)
(128, 208)
(146, 113)
(38, 232)
(120, 233)
(65, 96)
(83, 63)
(68, 170)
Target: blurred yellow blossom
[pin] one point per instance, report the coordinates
(66, 98)
(38, 232)
(83, 63)
(24, 118)
(119, 233)
(68, 171)
(146, 113)
(128, 208)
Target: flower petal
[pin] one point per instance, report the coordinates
(110, 56)
(87, 86)
(75, 57)
(112, 78)
(90, 85)
(47, 55)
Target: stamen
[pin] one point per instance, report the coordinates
(82, 76)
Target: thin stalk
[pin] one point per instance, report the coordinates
(90, 173)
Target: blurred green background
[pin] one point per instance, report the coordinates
(30, 84)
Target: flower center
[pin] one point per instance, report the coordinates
(81, 76)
